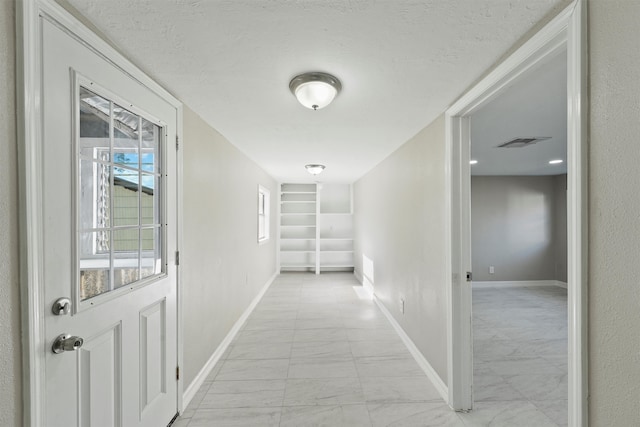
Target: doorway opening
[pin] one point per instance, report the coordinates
(519, 245)
(564, 33)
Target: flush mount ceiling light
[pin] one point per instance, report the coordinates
(555, 162)
(315, 90)
(314, 169)
(473, 162)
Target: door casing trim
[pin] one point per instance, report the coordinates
(30, 161)
(567, 30)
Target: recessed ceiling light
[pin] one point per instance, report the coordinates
(555, 162)
(473, 162)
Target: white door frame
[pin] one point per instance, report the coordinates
(28, 14)
(565, 31)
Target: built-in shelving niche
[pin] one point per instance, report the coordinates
(316, 227)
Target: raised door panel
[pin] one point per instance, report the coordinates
(153, 355)
(99, 374)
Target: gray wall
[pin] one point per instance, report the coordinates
(518, 228)
(10, 356)
(223, 266)
(560, 227)
(614, 211)
(399, 217)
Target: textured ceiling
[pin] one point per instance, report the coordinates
(401, 63)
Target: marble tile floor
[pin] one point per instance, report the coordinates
(314, 354)
(520, 348)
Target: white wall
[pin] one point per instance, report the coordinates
(614, 223)
(10, 356)
(399, 224)
(223, 266)
(518, 228)
(614, 211)
(613, 237)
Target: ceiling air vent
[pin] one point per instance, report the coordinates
(523, 142)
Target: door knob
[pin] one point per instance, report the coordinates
(66, 342)
(61, 307)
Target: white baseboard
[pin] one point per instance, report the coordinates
(197, 382)
(417, 355)
(358, 275)
(517, 284)
(364, 281)
(408, 342)
(560, 284)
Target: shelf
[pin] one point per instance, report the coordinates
(338, 246)
(297, 238)
(305, 215)
(336, 238)
(297, 246)
(298, 192)
(297, 201)
(298, 213)
(299, 266)
(337, 266)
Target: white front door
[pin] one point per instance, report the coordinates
(109, 209)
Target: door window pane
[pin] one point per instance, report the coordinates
(150, 144)
(126, 138)
(151, 258)
(126, 253)
(119, 215)
(126, 197)
(94, 125)
(93, 282)
(149, 198)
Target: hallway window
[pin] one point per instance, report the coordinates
(263, 214)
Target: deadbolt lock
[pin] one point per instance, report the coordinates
(61, 307)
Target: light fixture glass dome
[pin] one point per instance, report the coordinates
(314, 169)
(315, 90)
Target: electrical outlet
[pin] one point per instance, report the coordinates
(402, 305)
(492, 269)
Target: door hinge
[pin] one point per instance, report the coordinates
(177, 373)
(469, 276)
(177, 142)
(177, 257)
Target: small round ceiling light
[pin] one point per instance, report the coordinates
(315, 90)
(314, 169)
(555, 162)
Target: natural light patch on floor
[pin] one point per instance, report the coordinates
(363, 293)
